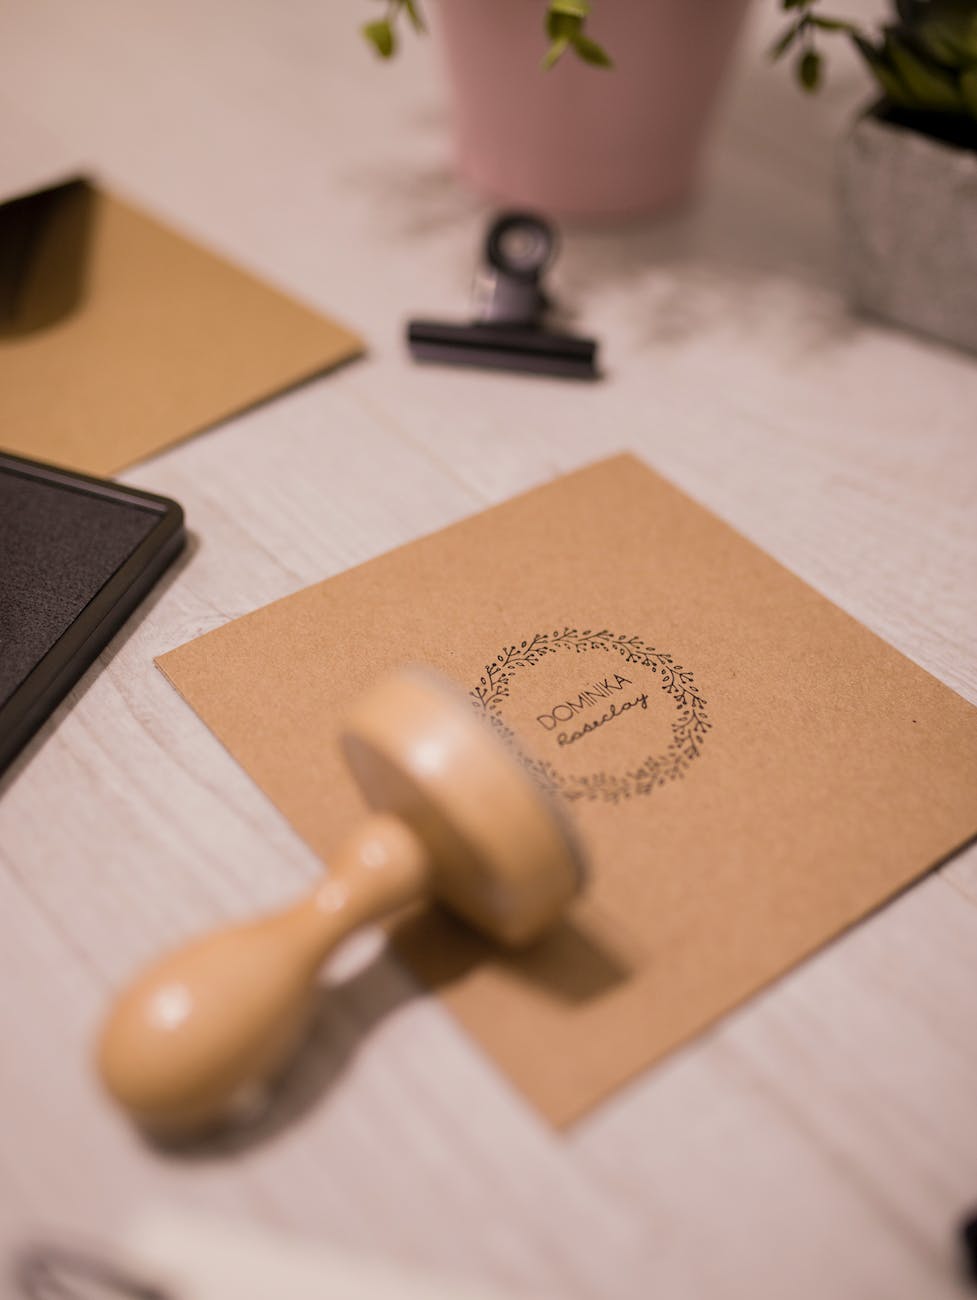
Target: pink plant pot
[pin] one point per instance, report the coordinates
(580, 141)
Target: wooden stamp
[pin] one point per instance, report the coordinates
(455, 818)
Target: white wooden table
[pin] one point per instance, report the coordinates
(820, 1143)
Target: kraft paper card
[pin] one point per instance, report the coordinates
(118, 336)
(750, 770)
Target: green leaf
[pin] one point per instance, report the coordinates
(870, 53)
(591, 52)
(795, 4)
(889, 82)
(381, 36)
(833, 24)
(573, 8)
(946, 33)
(788, 38)
(929, 85)
(414, 14)
(560, 25)
(935, 43)
(556, 51)
(809, 70)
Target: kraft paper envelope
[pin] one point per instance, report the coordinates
(749, 768)
(118, 336)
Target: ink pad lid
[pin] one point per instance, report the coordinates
(77, 554)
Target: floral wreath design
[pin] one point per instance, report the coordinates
(689, 727)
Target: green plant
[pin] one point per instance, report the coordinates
(565, 24)
(924, 60)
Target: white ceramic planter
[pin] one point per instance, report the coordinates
(577, 140)
(909, 204)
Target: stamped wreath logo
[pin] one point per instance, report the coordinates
(689, 726)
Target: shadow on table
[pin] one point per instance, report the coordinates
(45, 255)
(569, 966)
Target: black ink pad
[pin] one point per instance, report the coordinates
(77, 554)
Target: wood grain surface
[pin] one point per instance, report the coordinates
(819, 1143)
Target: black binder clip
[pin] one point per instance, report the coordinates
(509, 332)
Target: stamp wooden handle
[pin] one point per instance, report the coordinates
(199, 1035)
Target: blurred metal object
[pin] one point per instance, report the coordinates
(509, 332)
(49, 1272)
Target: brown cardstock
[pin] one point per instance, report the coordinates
(119, 336)
(779, 773)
